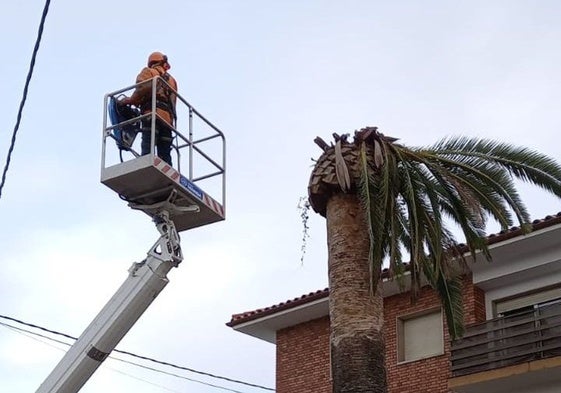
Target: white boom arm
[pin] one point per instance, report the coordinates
(145, 281)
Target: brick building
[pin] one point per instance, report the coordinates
(512, 309)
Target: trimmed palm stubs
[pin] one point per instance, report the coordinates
(381, 199)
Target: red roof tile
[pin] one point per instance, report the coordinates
(261, 312)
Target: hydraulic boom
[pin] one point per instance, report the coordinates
(145, 281)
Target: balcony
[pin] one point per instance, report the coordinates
(505, 353)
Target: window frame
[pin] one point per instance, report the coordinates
(526, 299)
(400, 335)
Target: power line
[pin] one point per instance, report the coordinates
(195, 371)
(25, 89)
(145, 381)
(37, 327)
(24, 331)
(143, 357)
(176, 375)
(30, 334)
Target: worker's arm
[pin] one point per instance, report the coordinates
(143, 91)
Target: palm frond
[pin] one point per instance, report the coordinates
(450, 293)
(414, 204)
(409, 196)
(521, 162)
(494, 178)
(366, 198)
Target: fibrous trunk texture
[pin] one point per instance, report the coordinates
(357, 344)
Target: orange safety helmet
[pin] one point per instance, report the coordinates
(157, 57)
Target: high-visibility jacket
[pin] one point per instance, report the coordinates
(166, 98)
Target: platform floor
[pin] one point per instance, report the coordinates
(147, 180)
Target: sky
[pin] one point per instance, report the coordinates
(272, 76)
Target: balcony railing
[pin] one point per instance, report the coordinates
(509, 340)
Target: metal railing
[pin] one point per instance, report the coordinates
(201, 164)
(509, 340)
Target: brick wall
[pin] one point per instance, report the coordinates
(303, 350)
(303, 358)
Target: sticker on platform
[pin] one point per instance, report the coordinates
(191, 187)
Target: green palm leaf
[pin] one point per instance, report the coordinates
(417, 192)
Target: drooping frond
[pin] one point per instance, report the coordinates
(396, 233)
(366, 198)
(467, 180)
(408, 195)
(449, 290)
(456, 200)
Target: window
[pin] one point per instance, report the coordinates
(526, 302)
(420, 336)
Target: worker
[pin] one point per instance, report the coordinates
(166, 98)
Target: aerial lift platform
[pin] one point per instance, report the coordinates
(143, 180)
(177, 198)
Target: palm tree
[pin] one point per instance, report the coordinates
(383, 201)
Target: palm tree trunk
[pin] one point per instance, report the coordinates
(357, 344)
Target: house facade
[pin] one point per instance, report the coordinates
(512, 309)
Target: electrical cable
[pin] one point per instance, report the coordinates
(176, 375)
(144, 357)
(195, 371)
(29, 334)
(25, 90)
(145, 381)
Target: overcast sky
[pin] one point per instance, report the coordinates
(272, 76)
